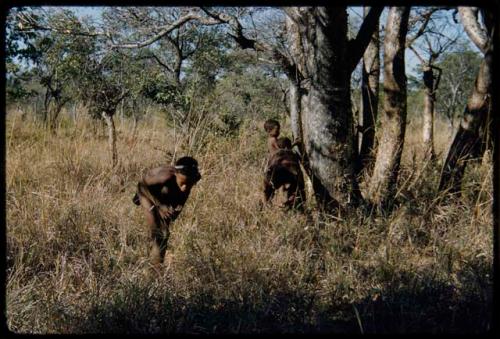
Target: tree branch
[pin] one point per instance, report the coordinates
(260, 46)
(438, 78)
(158, 60)
(357, 47)
(169, 28)
(422, 61)
(427, 17)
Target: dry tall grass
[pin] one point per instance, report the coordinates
(77, 246)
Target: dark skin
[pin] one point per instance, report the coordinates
(168, 191)
(272, 140)
(284, 171)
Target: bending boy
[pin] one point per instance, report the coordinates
(162, 193)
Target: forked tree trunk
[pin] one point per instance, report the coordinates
(326, 109)
(324, 58)
(467, 141)
(393, 119)
(111, 137)
(369, 100)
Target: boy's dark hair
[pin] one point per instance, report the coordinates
(189, 167)
(284, 143)
(270, 124)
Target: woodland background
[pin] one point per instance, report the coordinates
(93, 101)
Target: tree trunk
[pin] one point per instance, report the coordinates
(428, 122)
(295, 92)
(369, 100)
(295, 114)
(111, 137)
(467, 141)
(326, 109)
(393, 119)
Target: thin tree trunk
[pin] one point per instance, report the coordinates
(393, 119)
(428, 115)
(467, 141)
(111, 137)
(295, 114)
(369, 100)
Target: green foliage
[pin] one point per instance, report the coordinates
(460, 69)
(210, 58)
(163, 91)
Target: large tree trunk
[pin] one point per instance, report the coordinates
(467, 141)
(393, 119)
(111, 137)
(369, 100)
(324, 58)
(294, 92)
(326, 109)
(428, 121)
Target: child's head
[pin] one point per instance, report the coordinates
(186, 169)
(272, 127)
(284, 143)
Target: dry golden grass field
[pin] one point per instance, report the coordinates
(77, 247)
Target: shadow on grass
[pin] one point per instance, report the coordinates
(408, 302)
(431, 305)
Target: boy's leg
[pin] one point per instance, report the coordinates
(158, 230)
(159, 241)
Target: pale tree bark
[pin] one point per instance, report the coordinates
(108, 107)
(295, 93)
(108, 118)
(393, 118)
(324, 141)
(475, 124)
(430, 84)
(467, 142)
(431, 74)
(369, 100)
(326, 58)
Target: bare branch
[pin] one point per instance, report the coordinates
(422, 61)
(169, 28)
(426, 17)
(158, 60)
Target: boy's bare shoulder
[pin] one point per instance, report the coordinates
(159, 174)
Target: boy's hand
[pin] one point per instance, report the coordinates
(165, 211)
